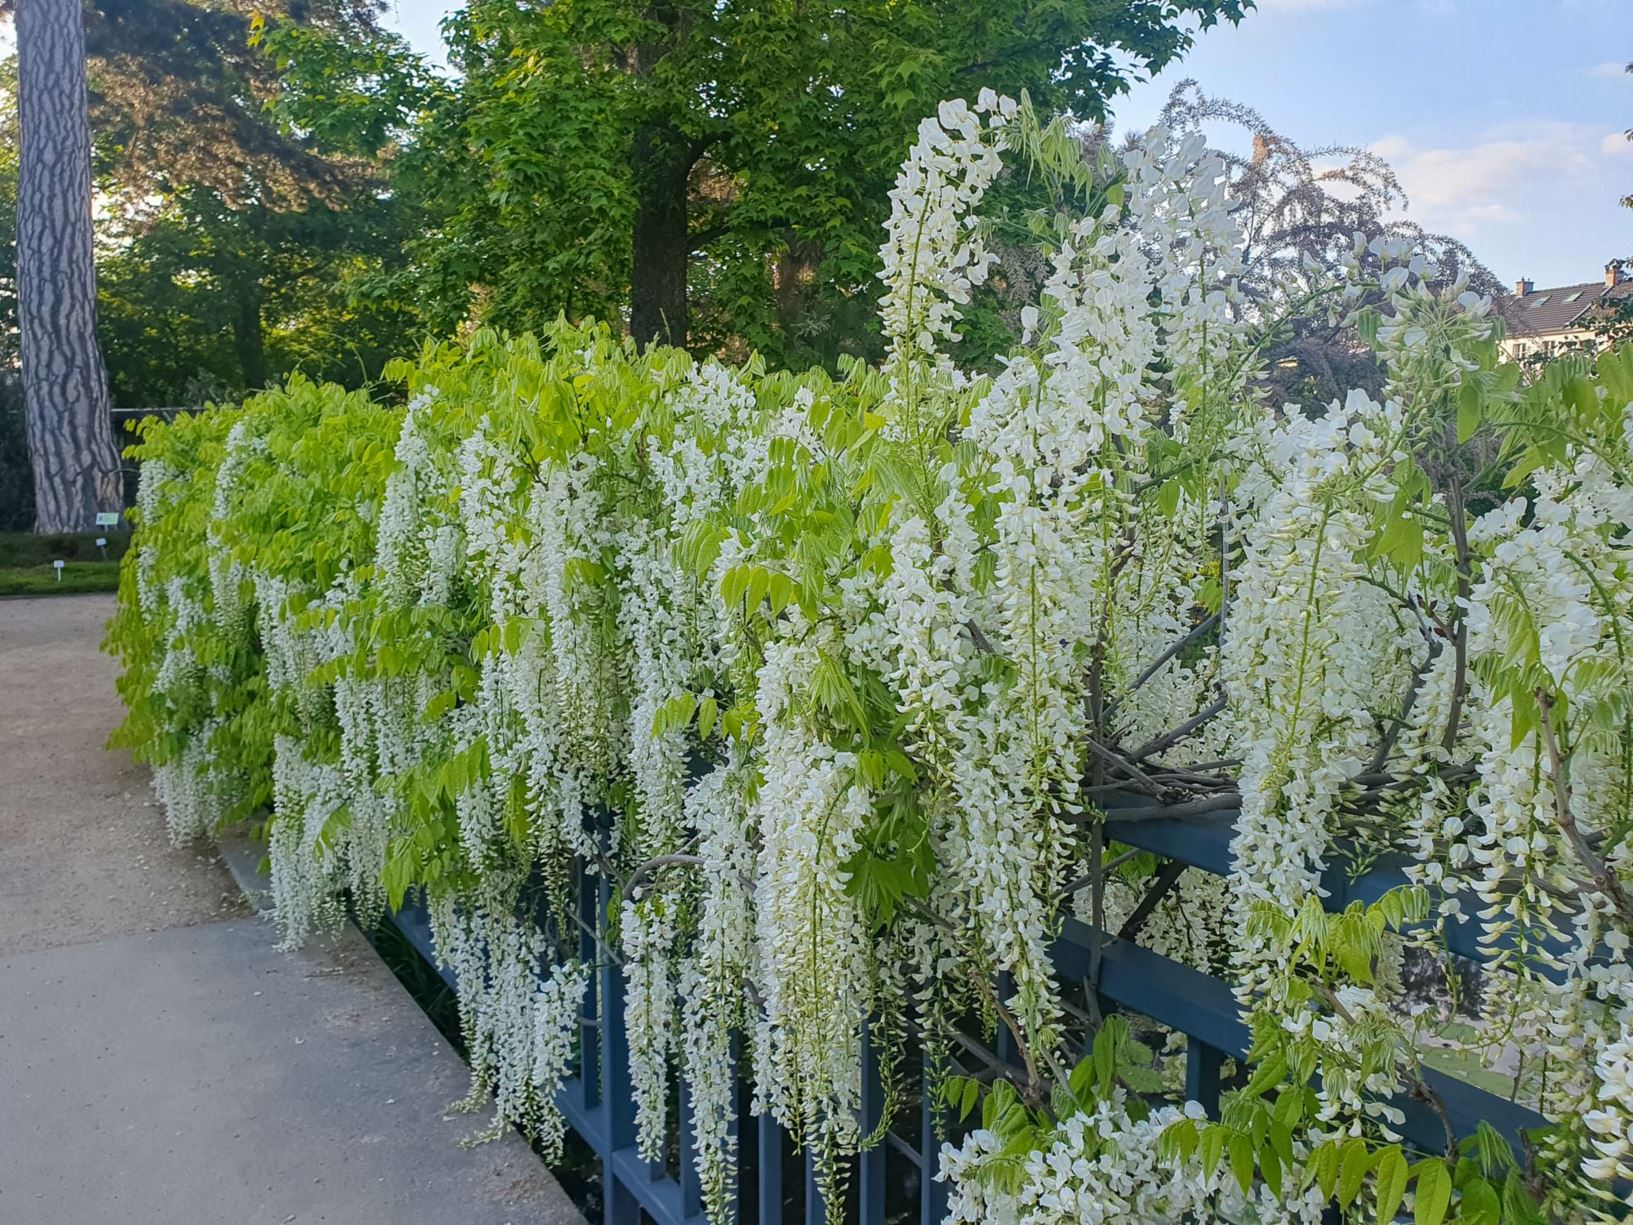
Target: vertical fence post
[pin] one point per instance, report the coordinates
(870, 1181)
(619, 1203)
(932, 1194)
(816, 1212)
(589, 1030)
(770, 1189)
(1004, 1045)
(1202, 1067)
(691, 1189)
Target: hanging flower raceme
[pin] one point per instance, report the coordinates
(933, 255)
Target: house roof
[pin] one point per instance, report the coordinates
(1543, 312)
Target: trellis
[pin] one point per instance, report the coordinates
(598, 1106)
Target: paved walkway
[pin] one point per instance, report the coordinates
(160, 1062)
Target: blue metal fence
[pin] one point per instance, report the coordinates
(598, 1105)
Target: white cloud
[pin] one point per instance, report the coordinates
(1610, 69)
(1531, 173)
(1616, 144)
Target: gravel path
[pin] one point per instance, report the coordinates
(83, 852)
(160, 1061)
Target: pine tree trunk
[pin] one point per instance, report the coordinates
(661, 163)
(65, 387)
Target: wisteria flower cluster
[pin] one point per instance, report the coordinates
(801, 702)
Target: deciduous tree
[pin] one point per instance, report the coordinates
(623, 155)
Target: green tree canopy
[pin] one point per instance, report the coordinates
(206, 300)
(238, 249)
(178, 102)
(717, 170)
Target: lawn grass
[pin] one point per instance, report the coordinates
(77, 577)
(25, 562)
(19, 549)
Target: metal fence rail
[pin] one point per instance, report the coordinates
(597, 1102)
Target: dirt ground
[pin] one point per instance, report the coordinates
(83, 851)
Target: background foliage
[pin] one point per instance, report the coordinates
(784, 125)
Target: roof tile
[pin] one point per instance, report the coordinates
(1543, 312)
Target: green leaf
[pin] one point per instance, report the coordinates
(1356, 960)
(1000, 1098)
(901, 765)
(1213, 1146)
(759, 584)
(1582, 395)
(1492, 1150)
(1469, 413)
(969, 1096)
(674, 714)
(515, 634)
(1518, 1206)
(961, 1093)
(1241, 1161)
(1390, 1168)
(1281, 1140)
(1271, 1168)
(1367, 323)
(1434, 1192)
(1168, 496)
(1478, 1202)
(1179, 1140)
(836, 694)
(1104, 1055)
(1353, 1162)
(1268, 1075)
(734, 583)
(439, 705)
(1325, 1161)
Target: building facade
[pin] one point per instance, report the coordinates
(1543, 323)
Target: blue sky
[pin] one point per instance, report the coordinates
(1503, 118)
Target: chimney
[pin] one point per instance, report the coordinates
(1522, 287)
(1613, 274)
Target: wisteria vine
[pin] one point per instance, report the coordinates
(831, 679)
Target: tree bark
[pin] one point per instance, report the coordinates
(249, 340)
(65, 386)
(795, 284)
(662, 163)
